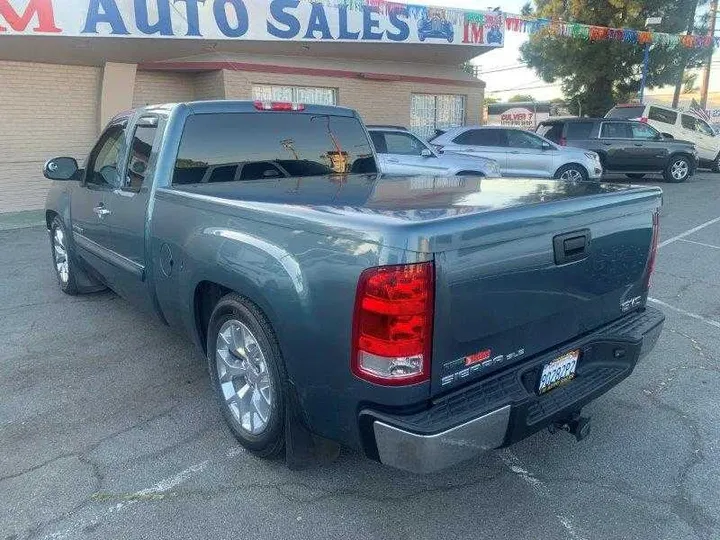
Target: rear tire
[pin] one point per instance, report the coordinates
(248, 375)
(635, 176)
(678, 170)
(572, 173)
(63, 260)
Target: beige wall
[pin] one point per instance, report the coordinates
(153, 87)
(385, 102)
(45, 110)
(118, 86)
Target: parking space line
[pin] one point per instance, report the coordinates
(699, 243)
(695, 316)
(688, 233)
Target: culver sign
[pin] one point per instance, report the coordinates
(297, 20)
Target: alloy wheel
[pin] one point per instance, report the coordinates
(679, 169)
(572, 175)
(243, 375)
(60, 255)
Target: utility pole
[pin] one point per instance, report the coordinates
(706, 76)
(649, 23)
(679, 84)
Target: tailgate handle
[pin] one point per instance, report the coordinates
(571, 247)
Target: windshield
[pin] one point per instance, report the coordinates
(626, 112)
(256, 146)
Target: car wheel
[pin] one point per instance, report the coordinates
(572, 173)
(62, 257)
(635, 176)
(678, 170)
(716, 164)
(248, 375)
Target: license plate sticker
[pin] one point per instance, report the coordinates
(558, 372)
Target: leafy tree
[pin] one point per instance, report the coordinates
(517, 98)
(596, 75)
(491, 100)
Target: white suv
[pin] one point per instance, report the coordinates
(677, 124)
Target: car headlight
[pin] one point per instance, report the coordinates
(593, 156)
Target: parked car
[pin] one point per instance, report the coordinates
(418, 320)
(521, 153)
(400, 152)
(676, 124)
(632, 148)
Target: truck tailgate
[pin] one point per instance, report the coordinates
(524, 280)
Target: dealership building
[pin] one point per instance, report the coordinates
(68, 66)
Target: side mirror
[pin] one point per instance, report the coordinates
(61, 168)
(426, 152)
(139, 168)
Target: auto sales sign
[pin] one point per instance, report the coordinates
(271, 20)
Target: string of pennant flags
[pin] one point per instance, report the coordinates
(530, 25)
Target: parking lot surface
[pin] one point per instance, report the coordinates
(108, 429)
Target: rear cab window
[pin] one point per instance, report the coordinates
(268, 145)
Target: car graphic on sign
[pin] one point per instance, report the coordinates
(435, 28)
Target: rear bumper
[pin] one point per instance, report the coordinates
(506, 407)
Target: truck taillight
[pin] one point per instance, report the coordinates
(278, 106)
(392, 327)
(653, 250)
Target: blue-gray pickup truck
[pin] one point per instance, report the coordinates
(419, 320)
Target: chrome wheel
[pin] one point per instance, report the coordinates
(60, 255)
(244, 379)
(680, 169)
(572, 175)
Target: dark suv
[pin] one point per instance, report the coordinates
(628, 147)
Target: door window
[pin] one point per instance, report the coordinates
(645, 132)
(551, 131)
(704, 128)
(260, 171)
(615, 130)
(102, 169)
(482, 137)
(662, 115)
(688, 122)
(403, 143)
(524, 140)
(139, 160)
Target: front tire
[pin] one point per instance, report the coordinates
(248, 375)
(678, 170)
(572, 173)
(62, 257)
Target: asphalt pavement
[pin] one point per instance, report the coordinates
(108, 429)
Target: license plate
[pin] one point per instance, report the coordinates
(558, 372)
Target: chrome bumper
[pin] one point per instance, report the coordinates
(430, 453)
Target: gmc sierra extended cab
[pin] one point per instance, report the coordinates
(419, 320)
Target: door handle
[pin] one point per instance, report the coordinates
(639, 144)
(101, 211)
(392, 160)
(514, 152)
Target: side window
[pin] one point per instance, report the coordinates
(615, 130)
(403, 144)
(578, 131)
(224, 173)
(102, 169)
(643, 131)
(482, 137)
(261, 170)
(139, 160)
(662, 115)
(704, 128)
(523, 139)
(551, 131)
(688, 122)
(378, 140)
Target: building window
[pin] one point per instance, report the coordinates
(430, 112)
(296, 94)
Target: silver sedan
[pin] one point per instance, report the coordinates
(402, 153)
